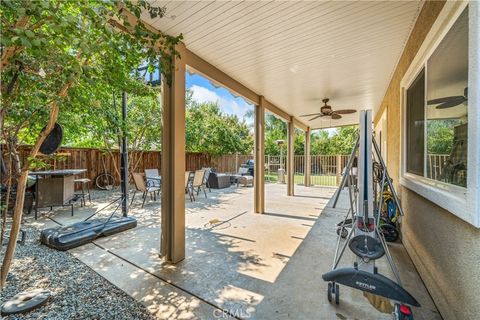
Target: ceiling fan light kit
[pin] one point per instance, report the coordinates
(327, 111)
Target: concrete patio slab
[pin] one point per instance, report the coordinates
(266, 266)
(161, 298)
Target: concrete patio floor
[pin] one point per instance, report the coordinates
(252, 266)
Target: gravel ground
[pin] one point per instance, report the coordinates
(77, 291)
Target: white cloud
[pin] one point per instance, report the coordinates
(201, 94)
(227, 104)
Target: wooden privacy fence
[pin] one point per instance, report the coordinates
(229, 163)
(98, 161)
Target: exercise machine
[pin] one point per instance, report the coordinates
(361, 226)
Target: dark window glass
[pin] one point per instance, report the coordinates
(415, 119)
(447, 106)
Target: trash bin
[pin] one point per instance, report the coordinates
(281, 175)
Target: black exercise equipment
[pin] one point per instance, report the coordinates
(363, 229)
(374, 283)
(366, 247)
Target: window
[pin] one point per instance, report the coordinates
(440, 131)
(447, 102)
(436, 111)
(416, 125)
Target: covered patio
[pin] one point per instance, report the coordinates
(260, 252)
(238, 264)
(283, 58)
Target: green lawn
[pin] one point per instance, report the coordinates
(317, 180)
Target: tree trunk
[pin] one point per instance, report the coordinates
(7, 199)
(21, 186)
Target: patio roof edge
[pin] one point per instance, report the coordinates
(214, 74)
(211, 72)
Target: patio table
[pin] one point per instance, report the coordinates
(54, 188)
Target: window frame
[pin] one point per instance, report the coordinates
(460, 201)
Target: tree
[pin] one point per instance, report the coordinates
(440, 135)
(340, 141)
(214, 132)
(321, 143)
(275, 129)
(62, 57)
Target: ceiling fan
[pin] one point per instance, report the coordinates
(326, 111)
(449, 102)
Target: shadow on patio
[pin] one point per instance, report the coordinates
(250, 265)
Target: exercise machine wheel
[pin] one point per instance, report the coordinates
(329, 292)
(333, 288)
(343, 233)
(389, 231)
(337, 294)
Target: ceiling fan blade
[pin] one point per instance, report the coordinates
(310, 114)
(336, 116)
(345, 111)
(444, 99)
(316, 117)
(452, 103)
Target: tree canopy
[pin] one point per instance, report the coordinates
(63, 60)
(73, 54)
(210, 130)
(322, 143)
(440, 135)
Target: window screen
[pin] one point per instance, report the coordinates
(415, 125)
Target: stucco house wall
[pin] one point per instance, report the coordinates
(444, 248)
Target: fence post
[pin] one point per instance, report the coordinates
(236, 162)
(306, 160)
(339, 169)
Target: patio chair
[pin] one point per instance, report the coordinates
(198, 182)
(142, 186)
(188, 183)
(208, 171)
(153, 177)
(243, 177)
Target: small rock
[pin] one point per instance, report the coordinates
(78, 292)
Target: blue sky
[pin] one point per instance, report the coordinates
(204, 91)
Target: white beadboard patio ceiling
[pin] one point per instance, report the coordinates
(295, 53)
